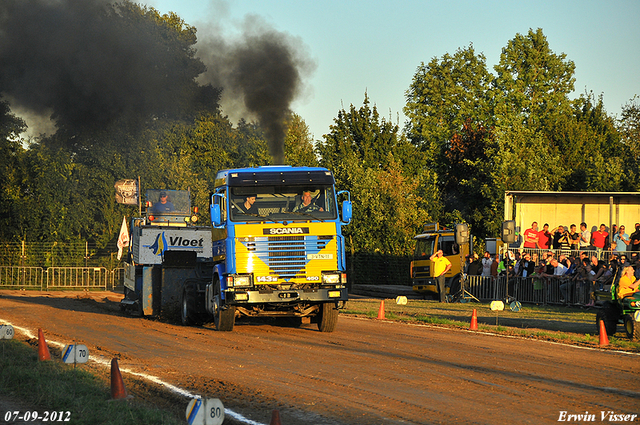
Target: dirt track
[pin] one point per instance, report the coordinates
(367, 372)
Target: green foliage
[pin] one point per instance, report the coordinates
(298, 144)
(532, 81)
(443, 95)
(484, 134)
(390, 190)
(11, 166)
(629, 127)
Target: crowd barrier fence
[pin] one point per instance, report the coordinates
(534, 289)
(60, 278)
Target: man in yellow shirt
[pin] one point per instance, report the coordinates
(440, 267)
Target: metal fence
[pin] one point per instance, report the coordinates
(59, 266)
(60, 278)
(536, 289)
(58, 254)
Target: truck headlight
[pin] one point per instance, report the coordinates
(242, 280)
(331, 279)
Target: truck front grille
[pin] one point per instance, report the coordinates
(286, 256)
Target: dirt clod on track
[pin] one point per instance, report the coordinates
(366, 372)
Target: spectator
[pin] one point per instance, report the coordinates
(506, 265)
(605, 277)
(467, 263)
(582, 256)
(494, 266)
(561, 238)
(527, 266)
(624, 261)
(531, 236)
(635, 239)
(556, 268)
(544, 238)
(599, 239)
(574, 238)
(516, 263)
(581, 279)
(563, 259)
(595, 264)
(486, 264)
(620, 241)
(475, 268)
(585, 236)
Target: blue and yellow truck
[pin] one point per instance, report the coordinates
(278, 248)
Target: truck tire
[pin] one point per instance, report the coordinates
(609, 315)
(185, 309)
(631, 327)
(223, 318)
(327, 317)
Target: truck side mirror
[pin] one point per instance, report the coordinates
(347, 213)
(215, 215)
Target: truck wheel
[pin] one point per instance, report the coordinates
(223, 318)
(631, 327)
(327, 317)
(185, 309)
(609, 315)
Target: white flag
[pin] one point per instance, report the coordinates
(123, 239)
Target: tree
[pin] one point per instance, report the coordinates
(298, 144)
(533, 82)
(443, 96)
(629, 128)
(11, 168)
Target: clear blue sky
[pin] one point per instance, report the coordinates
(376, 45)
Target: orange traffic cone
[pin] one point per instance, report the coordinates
(118, 391)
(474, 321)
(604, 338)
(381, 311)
(43, 349)
(275, 418)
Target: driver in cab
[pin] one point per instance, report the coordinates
(306, 205)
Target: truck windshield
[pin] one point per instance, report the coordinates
(277, 203)
(169, 202)
(424, 248)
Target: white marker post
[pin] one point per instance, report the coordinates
(74, 353)
(208, 411)
(497, 306)
(6, 332)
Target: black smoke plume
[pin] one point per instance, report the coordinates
(261, 73)
(87, 63)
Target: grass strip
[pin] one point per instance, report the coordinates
(570, 325)
(53, 386)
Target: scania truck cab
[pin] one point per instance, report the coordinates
(278, 248)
